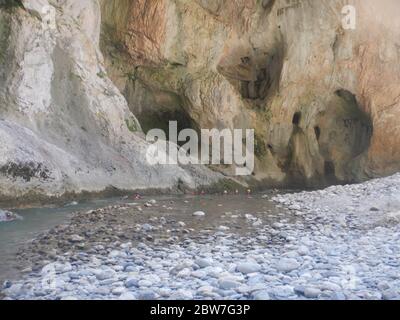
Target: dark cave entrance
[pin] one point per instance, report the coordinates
(317, 131)
(329, 169)
(160, 119)
(343, 131)
(296, 118)
(155, 108)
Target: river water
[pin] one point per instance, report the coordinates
(34, 221)
(15, 234)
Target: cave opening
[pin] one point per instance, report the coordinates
(160, 119)
(255, 76)
(346, 95)
(266, 79)
(317, 131)
(155, 108)
(329, 169)
(296, 118)
(356, 124)
(267, 4)
(343, 132)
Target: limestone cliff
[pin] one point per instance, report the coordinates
(324, 100)
(75, 96)
(64, 126)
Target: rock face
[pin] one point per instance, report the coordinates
(64, 126)
(324, 100)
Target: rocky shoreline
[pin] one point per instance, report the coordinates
(337, 243)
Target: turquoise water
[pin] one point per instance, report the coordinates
(13, 235)
(35, 221)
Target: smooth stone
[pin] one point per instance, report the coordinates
(74, 275)
(199, 214)
(69, 298)
(299, 290)
(228, 284)
(7, 216)
(184, 273)
(131, 269)
(248, 267)
(131, 282)
(147, 227)
(127, 296)
(205, 289)
(199, 274)
(204, 262)
(147, 295)
(330, 286)
(383, 286)
(282, 291)
(40, 293)
(287, 265)
(7, 284)
(107, 282)
(338, 296)
(76, 238)
(118, 291)
(312, 293)
(182, 294)
(164, 292)
(257, 279)
(117, 254)
(102, 291)
(105, 275)
(303, 250)
(145, 283)
(389, 295)
(16, 290)
(214, 271)
(261, 295)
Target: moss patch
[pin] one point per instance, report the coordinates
(223, 185)
(260, 148)
(9, 4)
(131, 124)
(101, 74)
(4, 35)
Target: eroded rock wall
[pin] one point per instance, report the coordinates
(64, 125)
(324, 101)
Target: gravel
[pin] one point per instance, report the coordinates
(328, 245)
